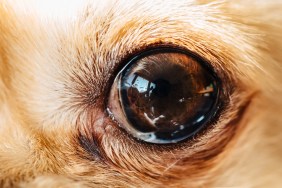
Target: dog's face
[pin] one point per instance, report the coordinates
(62, 115)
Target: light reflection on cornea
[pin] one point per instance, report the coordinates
(200, 119)
(140, 83)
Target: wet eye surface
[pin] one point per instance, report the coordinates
(164, 96)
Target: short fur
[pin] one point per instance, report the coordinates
(57, 64)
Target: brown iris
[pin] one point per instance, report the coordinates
(165, 96)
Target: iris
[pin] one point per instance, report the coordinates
(165, 96)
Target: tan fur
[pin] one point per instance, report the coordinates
(56, 69)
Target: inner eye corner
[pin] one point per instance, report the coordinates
(151, 100)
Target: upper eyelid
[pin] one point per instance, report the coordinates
(213, 49)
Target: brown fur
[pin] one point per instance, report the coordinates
(56, 73)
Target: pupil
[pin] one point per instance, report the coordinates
(162, 88)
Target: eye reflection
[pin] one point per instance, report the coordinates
(139, 83)
(164, 97)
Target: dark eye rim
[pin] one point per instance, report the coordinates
(218, 104)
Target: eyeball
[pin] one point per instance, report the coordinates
(164, 96)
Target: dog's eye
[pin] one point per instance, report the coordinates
(164, 96)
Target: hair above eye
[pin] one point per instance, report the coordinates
(164, 96)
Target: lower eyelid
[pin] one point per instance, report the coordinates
(200, 151)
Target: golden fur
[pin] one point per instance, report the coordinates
(57, 61)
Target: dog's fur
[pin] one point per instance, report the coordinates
(57, 64)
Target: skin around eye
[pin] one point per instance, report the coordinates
(164, 96)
